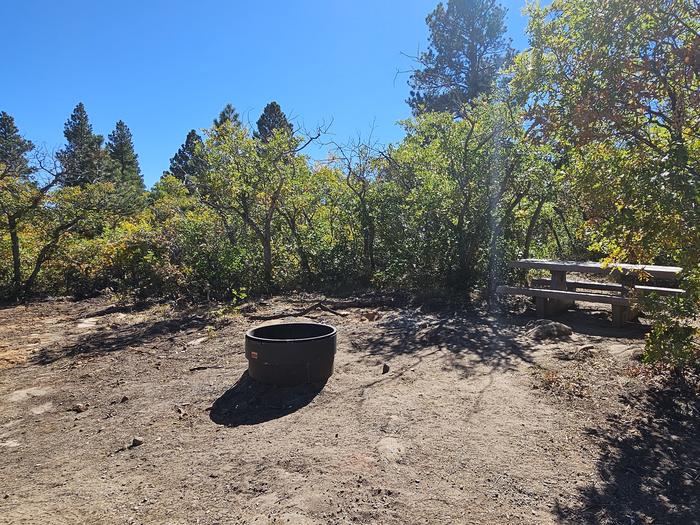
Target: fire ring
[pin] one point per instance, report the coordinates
(290, 354)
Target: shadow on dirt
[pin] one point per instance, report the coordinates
(490, 340)
(108, 340)
(249, 402)
(650, 467)
(598, 323)
(123, 309)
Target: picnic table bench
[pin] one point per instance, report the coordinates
(558, 294)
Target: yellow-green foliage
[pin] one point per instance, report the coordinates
(589, 147)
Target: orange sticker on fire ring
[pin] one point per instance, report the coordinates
(254, 355)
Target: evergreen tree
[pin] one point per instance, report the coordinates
(16, 189)
(125, 162)
(228, 114)
(467, 50)
(272, 118)
(188, 163)
(13, 149)
(83, 159)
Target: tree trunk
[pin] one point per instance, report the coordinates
(558, 211)
(267, 255)
(531, 228)
(301, 252)
(16, 260)
(556, 236)
(40, 260)
(45, 253)
(369, 247)
(464, 251)
(230, 232)
(492, 271)
(368, 233)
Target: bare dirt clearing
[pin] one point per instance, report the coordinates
(474, 422)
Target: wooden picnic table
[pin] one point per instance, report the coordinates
(592, 267)
(561, 294)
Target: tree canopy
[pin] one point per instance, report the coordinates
(187, 164)
(228, 114)
(120, 147)
(82, 159)
(467, 49)
(272, 119)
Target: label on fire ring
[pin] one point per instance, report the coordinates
(254, 355)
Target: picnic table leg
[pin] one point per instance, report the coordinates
(623, 314)
(620, 315)
(555, 306)
(541, 307)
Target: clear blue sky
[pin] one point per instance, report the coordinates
(167, 66)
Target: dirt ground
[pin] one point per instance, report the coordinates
(475, 421)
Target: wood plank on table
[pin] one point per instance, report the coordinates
(584, 285)
(565, 295)
(659, 272)
(659, 290)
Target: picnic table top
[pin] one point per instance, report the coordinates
(659, 272)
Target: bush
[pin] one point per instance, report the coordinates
(674, 340)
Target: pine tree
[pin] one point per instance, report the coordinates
(228, 114)
(13, 149)
(467, 50)
(15, 185)
(83, 159)
(272, 118)
(125, 162)
(188, 164)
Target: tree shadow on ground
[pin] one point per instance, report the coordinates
(584, 318)
(494, 341)
(123, 309)
(650, 467)
(109, 340)
(595, 322)
(466, 338)
(250, 403)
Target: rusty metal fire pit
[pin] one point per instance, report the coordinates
(289, 354)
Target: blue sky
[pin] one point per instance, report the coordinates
(167, 66)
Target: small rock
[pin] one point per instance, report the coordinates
(586, 348)
(390, 448)
(137, 441)
(124, 399)
(79, 407)
(623, 352)
(548, 330)
(385, 369)
(637, 355)
(371, 315)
